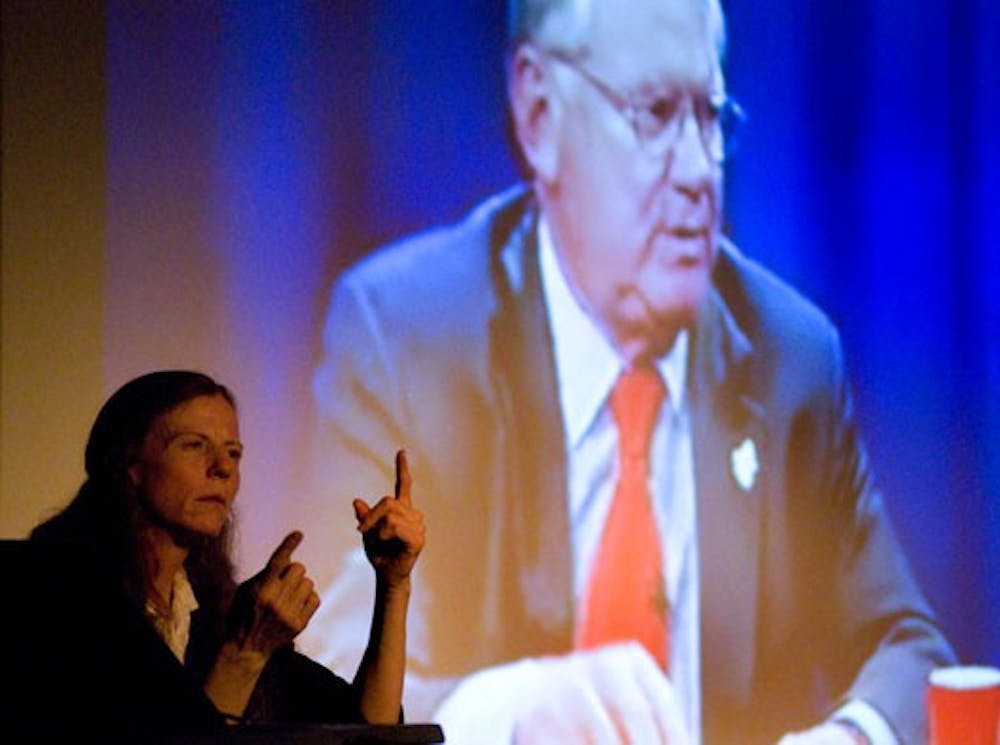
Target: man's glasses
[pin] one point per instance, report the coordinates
(658, 123)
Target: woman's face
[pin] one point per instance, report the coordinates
(188, 470)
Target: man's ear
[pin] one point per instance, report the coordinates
(535, 112)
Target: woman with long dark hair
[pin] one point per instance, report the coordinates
(139, 623)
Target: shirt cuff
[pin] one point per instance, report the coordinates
(866, 718)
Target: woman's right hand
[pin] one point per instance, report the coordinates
(273, 606)
(267, 613)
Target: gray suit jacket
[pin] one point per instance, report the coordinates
(441, 343)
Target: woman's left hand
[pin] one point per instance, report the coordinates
(393, 530)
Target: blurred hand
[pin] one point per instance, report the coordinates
(393, 531)
(614, 694)
(274, 605)
(828, 733)
(611, 694)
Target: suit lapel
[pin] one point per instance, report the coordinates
(537, 597)
(729, 440)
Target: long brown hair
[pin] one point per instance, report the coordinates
(106, 516)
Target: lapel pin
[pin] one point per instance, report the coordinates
(744, 463)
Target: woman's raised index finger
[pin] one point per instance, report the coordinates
(282, 555)
(402, 490)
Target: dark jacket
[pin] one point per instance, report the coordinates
(442, 343)
(85, 664)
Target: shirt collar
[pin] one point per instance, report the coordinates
(184, 600)
(175, 628)
(587, 364)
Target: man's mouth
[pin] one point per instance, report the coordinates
(687, 231)
(680, 244)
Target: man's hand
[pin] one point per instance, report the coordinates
(274, 605)
(393, 530)
(614, 694)
(610, 694)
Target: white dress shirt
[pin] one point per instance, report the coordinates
(587, 367)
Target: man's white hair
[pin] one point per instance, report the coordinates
(562, 24)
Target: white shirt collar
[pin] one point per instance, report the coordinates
(587, 364)
(175, 629)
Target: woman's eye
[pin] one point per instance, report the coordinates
(235, 453)
(193, 445)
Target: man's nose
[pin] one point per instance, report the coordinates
(690, 167)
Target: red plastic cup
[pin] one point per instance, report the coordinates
(963, 705)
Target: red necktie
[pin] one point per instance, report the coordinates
(625, 599)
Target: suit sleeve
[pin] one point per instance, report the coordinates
(891, 639)
(361, 423)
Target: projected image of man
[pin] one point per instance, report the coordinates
(660, 520)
